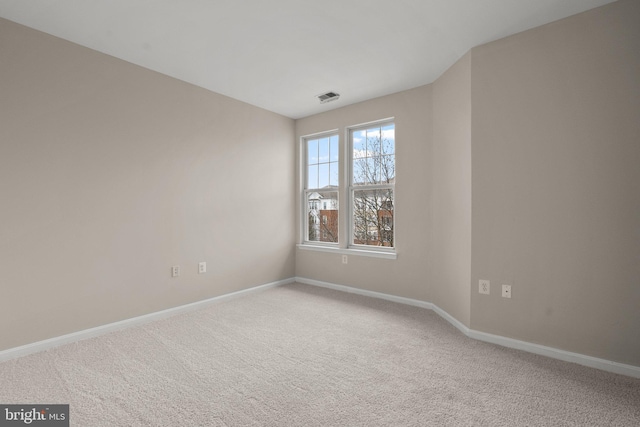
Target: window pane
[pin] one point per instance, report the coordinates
(312, 151)
(373, 159)
(374, 167)
(323, 146)
(388, 139)
(334, 149)
(365, 171)
(359, 141)
(323, 175)
(312, 177)
(359, 171)
(373, 217)
(373, 142)
(322, 171)
(322, 212)
(369, 170)
(388, 169)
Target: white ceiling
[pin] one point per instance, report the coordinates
(280, 54)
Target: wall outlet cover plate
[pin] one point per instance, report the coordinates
(484, 287)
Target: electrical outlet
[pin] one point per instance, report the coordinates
(202, 267)
(484, 287)
(345, 260)
(506, 291)
(175, 271)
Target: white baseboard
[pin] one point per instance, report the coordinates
(379, 295)
(43, 345)
(556, 353)
(593, 362)
(567, 356)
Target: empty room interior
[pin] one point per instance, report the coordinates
(238, 164)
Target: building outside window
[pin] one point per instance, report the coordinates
(322, 161)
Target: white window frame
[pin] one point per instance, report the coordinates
(345, 198)
(352, 188)
(306, 191)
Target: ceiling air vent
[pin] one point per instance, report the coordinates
(328, 97)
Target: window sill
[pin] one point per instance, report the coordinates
(348, 251)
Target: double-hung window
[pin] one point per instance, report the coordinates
(321, 190)
(372, 185)
(368, 160)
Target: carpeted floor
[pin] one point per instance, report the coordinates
(297, 355)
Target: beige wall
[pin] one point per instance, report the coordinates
(518, 165)
(405, 276)
(110, 174)
(449, 238)
(556, 184)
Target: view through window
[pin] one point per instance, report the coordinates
(373, 175)
(369, 190)
(322, 189)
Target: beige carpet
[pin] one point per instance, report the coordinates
(303, 356)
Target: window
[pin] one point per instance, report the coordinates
(321, 190)
(367, 160)
(372, 182)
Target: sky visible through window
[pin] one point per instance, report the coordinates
(322, 162)
(374, 155)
